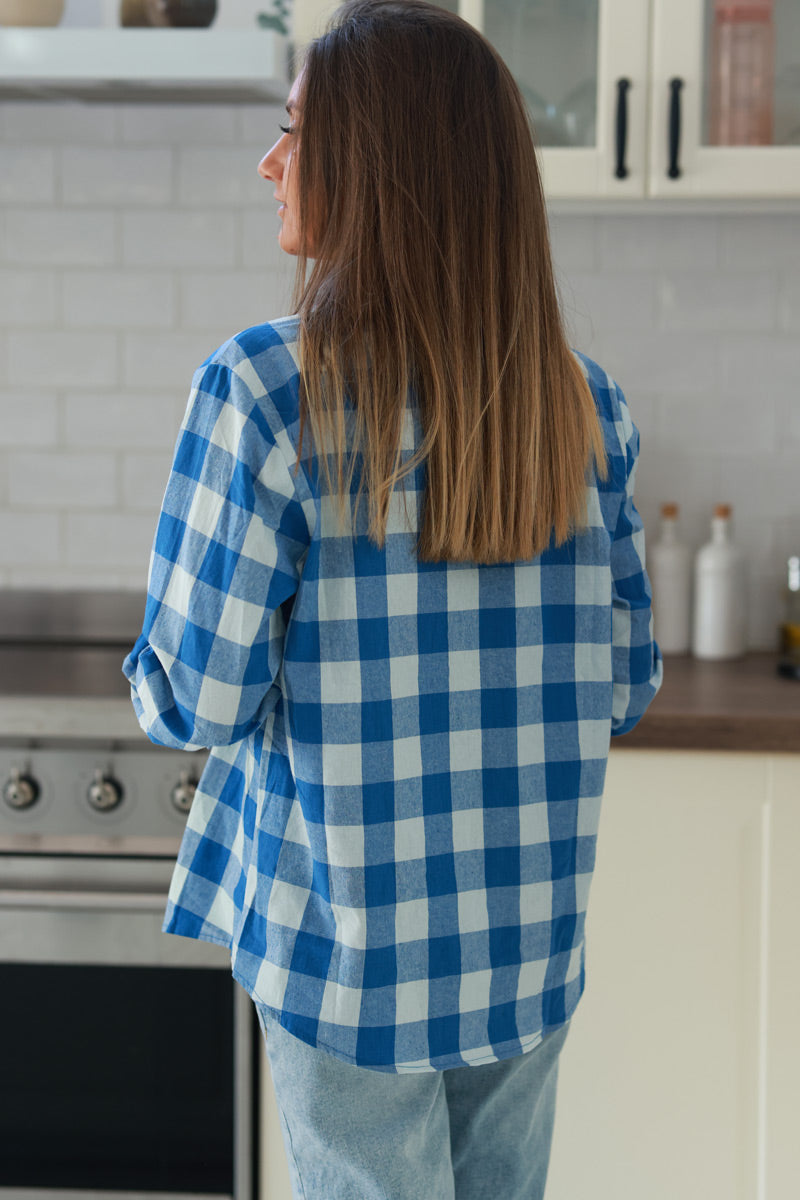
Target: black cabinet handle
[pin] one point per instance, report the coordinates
(623, 86)
(675, 85)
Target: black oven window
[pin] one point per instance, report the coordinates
(116, 1078)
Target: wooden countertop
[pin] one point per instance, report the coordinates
(740, 704)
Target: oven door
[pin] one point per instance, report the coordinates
(128, 1056)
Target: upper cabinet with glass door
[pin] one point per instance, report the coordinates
(725, 98)
(582, 67)
(723, 78)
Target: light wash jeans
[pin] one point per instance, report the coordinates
(466, 1133)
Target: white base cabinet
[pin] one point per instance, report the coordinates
(681, 1073)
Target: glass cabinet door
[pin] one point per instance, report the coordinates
(726, 98)
(551, 47)
(582, 68)
(751, 64)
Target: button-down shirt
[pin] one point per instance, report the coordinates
(395, 829)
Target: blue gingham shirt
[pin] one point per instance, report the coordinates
(395, 829)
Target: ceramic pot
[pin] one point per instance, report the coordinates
(133, 14)
(195, 14)
(31, 12)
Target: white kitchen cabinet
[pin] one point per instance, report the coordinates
(682, 50)
(571, 57)
(681, 1073)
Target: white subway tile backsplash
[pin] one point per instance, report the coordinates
(112, 175)
(759, 482)
(135, 238)
(759, 366)
(42, 121)
(726, 301)
(27, 297)
(177, 124)
(28, 175)
(237, 298)
(167, 359)
(118, 299)
(144, 478)
(62, 480)
(789, 303)
(28, 418)
(258, 124)
(178, 238)
(673, 362)
(748, 243)
(610, 302)
(111, 540)
(56, 237)
(721, 423)
(787, 409)
(573, 242)
(258, 244)
(132, 420)
(62, 359)
(29, 539)
(657, 241)
(222, 175)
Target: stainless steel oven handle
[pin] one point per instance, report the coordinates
(74, 900)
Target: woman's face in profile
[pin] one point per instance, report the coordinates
(279, 165)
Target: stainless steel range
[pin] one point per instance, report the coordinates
(129, 1057)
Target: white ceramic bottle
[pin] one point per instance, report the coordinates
(669, 565)
(720, 600)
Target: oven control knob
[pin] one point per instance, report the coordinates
(182, 794)
(21, 790)
(105, 793)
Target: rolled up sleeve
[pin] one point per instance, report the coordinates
(226, 563)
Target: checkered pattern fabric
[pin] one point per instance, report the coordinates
(395, 829)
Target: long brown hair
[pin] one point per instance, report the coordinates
(432, 272)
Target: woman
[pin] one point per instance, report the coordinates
(409, 691)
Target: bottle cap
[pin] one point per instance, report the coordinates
(722, 510)
(669, 510)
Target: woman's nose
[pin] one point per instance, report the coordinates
(270, 166)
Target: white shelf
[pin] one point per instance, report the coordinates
(141, 64)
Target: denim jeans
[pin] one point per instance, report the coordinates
(466, 1133)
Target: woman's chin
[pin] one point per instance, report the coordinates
(288, 242)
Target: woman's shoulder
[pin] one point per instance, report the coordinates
(270, 348)
(258, 364)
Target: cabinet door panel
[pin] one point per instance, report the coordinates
(683, 48)
(659, 1090)
(568, 57)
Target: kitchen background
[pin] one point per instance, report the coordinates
(134, 238)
